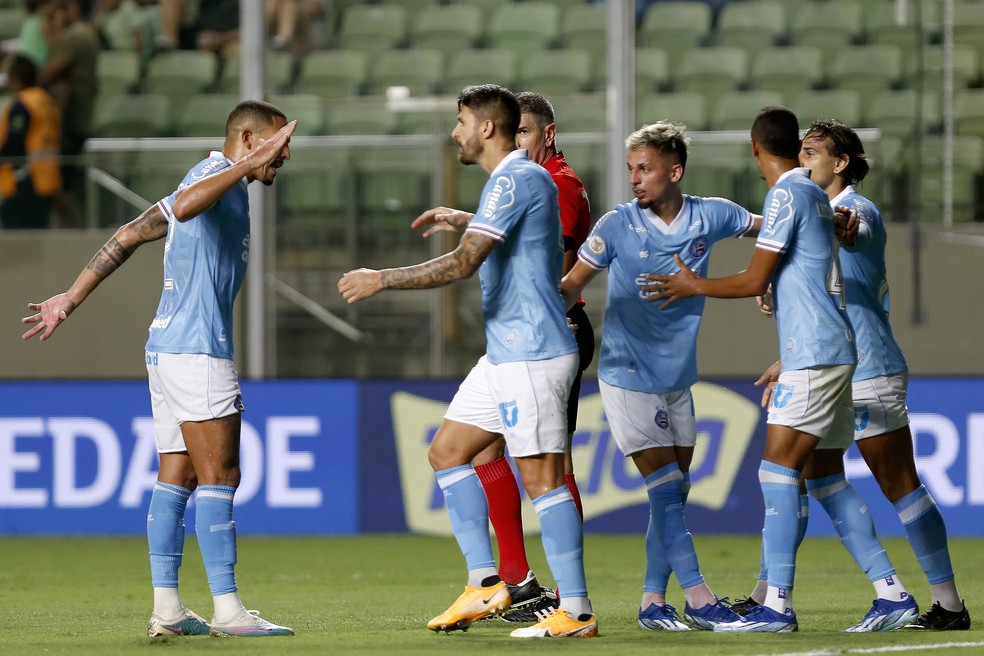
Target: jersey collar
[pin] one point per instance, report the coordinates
(836, 200)
(663, 226)
(519, 153)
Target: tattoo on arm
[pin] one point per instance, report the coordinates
(149, 226)
(460, 263)
(108, 259)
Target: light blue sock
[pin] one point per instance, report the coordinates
(217, 536)
(853, 523)
(804, 519)
(666, 509)
(658, 568)
(166, 533)
(780, 489)
(927, 534)
(469, 513)
(563, 540)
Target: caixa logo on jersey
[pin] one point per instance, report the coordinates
(608, 481)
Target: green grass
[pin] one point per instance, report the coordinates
(374, 594)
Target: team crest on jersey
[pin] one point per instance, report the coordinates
(502, 195)
(662, 418)
(781, 395)
(698, 247)
(596, 244)
(779, 211)
(510, 413)
(860, 417)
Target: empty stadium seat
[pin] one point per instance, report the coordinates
(583, 27)
(372, 28)
(842, 104)
(117, 71)
(135, 115)
(652, 70)
(470, 67)
(920, 22)
(523, 27)
(829, 25)
(279, 73)
(868, 69)
(966, 71)
(447, 28)
(751, 24)
(968, 113)
(333, 73)
(181, 73)
(359, 118)
(786, 69)
(308, 109)
(689, 108)
(419, 70)
(713, 70)
(565, 71)
(675, 26)
(737, 109)
(894, 112)
(204, 115)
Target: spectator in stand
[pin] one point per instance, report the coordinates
(31, 40)
(211, 25)
(295, 25)
(70, 76)
(30, 136)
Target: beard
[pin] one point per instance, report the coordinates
(470, 150)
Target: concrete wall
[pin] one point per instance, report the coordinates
(104, 338)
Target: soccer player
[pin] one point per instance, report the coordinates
(835, 155)
(519, 389)
(796, 250)
(537, 134)
(194, 387)
(649, 357)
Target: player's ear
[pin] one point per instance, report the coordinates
(550, 133)
(247, 138)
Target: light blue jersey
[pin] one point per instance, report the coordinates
(524, 312)
(646, 349)
(807, 289)
(866, 286)
(204, 266)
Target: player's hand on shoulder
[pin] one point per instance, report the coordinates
(48, 315)
(360, 284)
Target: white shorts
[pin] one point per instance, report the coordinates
(525, 402)
(640, 420)
(816, 401)
(189, 387)
(879, 405)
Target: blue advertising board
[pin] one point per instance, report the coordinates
(79, 458)
(339, 457)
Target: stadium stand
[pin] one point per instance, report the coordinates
(418, 69)
(280, 72)
(894, 113)
(308, 109)
(556, 72)
(752, 24)
(179, 74)
(712, 70)
(675, 26)
(786, 69)
(921, 22)
(966, 71)
(134, 115)
(333, 73)
(867, 69)
(118, 71)
(359, 117)
(372, 28)
(687, 107)
(583, 27)
(735, 110)
(472, 66)
(448, 28)
(523, 27)
(204, 115)
(843, 104)
(829, 26)
(968, 113)
(652, 66)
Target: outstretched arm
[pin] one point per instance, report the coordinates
(459, 264)
(753, 281)
(149, 226)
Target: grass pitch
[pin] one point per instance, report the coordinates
(374, 594)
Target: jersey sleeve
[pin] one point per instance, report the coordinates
(869, 222)
(778, 220)
(597, 251)
(732, 220)
(498, 210)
